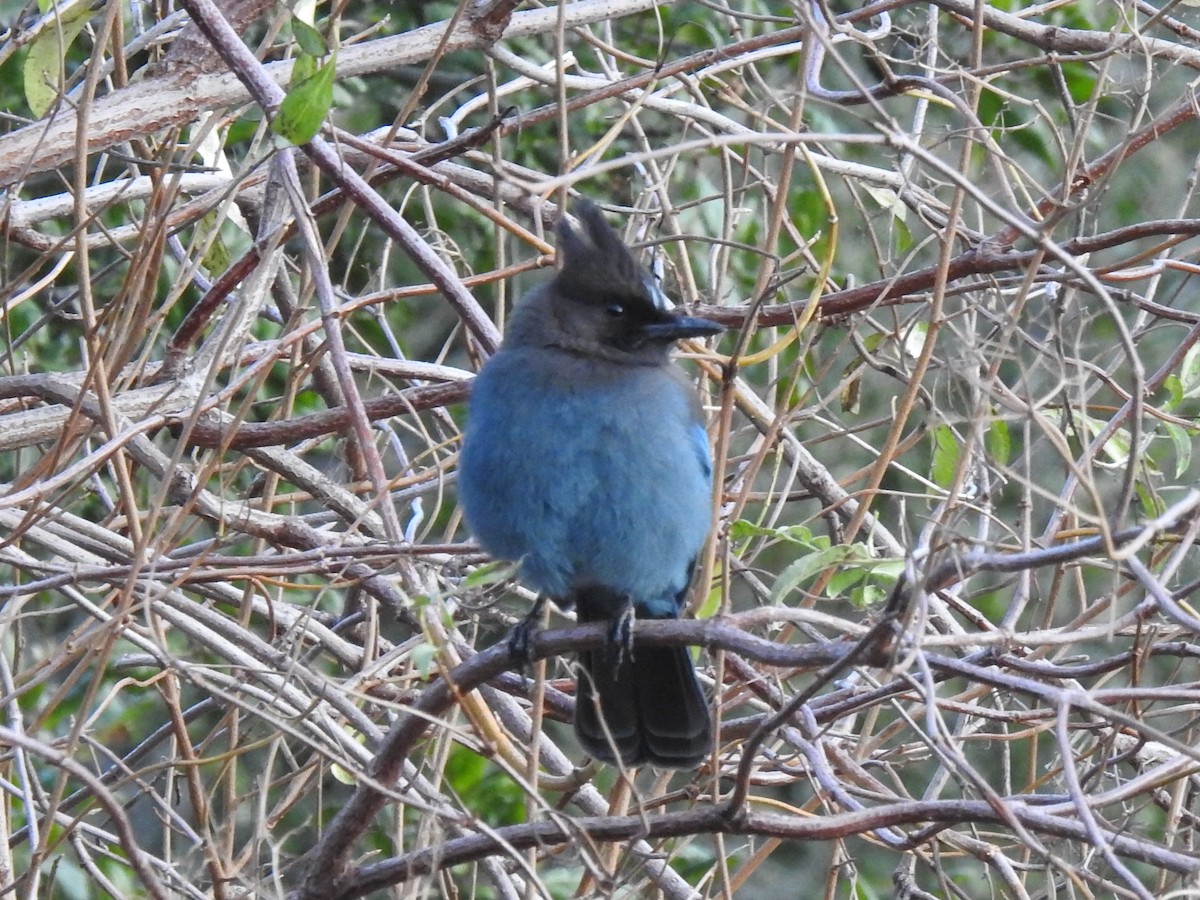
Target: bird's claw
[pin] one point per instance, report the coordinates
(520, 641)
(620, 635)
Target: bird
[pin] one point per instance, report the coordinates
(586, 461)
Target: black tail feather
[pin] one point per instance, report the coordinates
(641, 705)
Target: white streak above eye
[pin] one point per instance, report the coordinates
(657, 296)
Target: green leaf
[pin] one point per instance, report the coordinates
(889, 200)
(744, 529)
(488, 792)
(873, 340)
(1081, 80)
(1181, 438)
(43, 71)
(1152, 505)
(424, 659)
(945, 456)
(345, 776)
(1117, 447)
(1174, 392)
(303, 69)
(809, 565)
(914, 339)
(879, 572)
(1189, 372)
(217, 258)
(309, 39)
(306, 105)
(851, 388)
(712, 603)
(999, 442)
(888, 570)
(490, 573)
(867, 596)
(841, 581)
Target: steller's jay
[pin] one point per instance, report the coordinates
(586, 459)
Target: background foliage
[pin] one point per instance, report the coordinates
(246, 646)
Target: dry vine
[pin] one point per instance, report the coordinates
(247, 649)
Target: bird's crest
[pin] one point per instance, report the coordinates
(596, 255)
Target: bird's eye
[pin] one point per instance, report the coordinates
(615, 310)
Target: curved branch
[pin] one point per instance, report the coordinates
(834, 826)
(180, 98)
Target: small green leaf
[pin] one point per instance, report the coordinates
(1117, 447)
(712, 603)
(488, 574)
(217, 257)
(851, 389)
(867, 596)
(1152, 505)
(345, 776)
(1174, 392)
(889, 200)
(889, 570)
(841, 581)
(914, 339)
(305, 107)
(873, 340)
(809, 565)
(309, 39)
(43, 70)
(999, 442)
(1181, 438)
(880, 572)
(741, 529)
(303, 69)
(424, 658)
(945, 456)
(1189, 372)
(744, 529)
(1081, 80)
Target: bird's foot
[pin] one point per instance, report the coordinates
(520, 640)
(620, 635)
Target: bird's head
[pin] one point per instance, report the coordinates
(603, 303)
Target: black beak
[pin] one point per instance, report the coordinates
(678, 328)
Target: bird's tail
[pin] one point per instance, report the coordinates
(641, 705)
